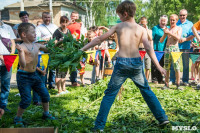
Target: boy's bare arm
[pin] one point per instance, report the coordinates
(195, 33)
(22, 61)
(151, 53)
(100, 39)
(13, 46)
(43, 48)
(163, 37)
(175, 36)
(103, 27)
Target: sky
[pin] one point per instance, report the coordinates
(7, 2)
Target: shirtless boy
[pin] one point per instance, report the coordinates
(173, 34)
(27, 78)
(128, 64)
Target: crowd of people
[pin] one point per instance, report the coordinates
(127, 37)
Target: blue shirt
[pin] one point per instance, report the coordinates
(157, 33)
(186, 32)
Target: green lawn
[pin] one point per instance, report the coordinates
(76, 112)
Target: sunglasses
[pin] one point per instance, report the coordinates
(182, 15)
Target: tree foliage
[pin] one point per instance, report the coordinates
(100, 11)
(156, 8)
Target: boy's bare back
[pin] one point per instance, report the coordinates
(129, 37)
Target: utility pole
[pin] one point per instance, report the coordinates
(51, 10)
(22, 5)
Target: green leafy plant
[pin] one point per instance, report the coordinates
(67, 56)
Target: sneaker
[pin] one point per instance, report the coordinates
(165, 87)
(48, 117)
(184, 84)
(7, 110)
(194, 82)
(172, 83)
(164, 123)
(75, 84)
(18, 122)
(198, 86)
(64, 92)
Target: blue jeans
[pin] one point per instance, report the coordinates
(128, 68)
(73, 76)
(52, 76)
(185, 60)
(36, 97)
(27, 81)
(5, 86)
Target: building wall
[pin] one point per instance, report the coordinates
(35, 14)
(5, 14)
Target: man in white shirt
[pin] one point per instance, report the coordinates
(7, 37)
(45, 32)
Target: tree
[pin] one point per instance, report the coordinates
(97, 11)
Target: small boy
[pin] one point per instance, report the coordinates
(128, 64)
(173, 36)
(27, 78)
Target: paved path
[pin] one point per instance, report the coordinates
(87, 75)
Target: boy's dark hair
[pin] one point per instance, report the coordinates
(64, 19)
(126, 6)
(24, 27)
(23, 13)
(93, 28)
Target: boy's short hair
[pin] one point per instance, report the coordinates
(126, 6)
(24, 27)
(176, 16)
(23, 13)
(64, 19)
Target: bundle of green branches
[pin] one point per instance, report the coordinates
(67, 55)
